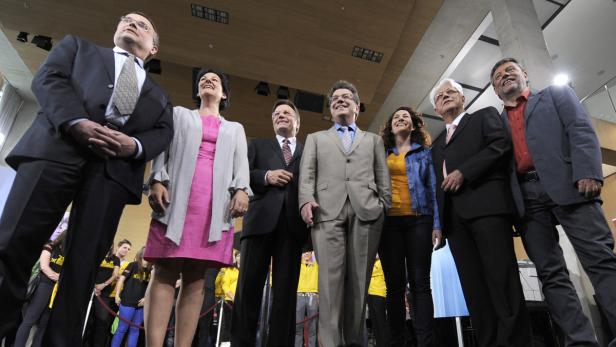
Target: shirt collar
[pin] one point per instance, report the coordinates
(352, 127)
(292, 140)
(456, 121)
(414, 146)
(119, 50)
(522, 98)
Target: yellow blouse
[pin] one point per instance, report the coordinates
(400, 196)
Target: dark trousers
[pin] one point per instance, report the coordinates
(257, 250)
(406, 253)
(41, 193)
(101, 330)
(378, 317)
(35, 310)
(203, 337)
(593, 242)
(482, 249)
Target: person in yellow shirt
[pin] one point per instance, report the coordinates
(229, 285)
(376, 305)
(307, 299)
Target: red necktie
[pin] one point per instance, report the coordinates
(286, 151)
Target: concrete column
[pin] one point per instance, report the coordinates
(520, 36)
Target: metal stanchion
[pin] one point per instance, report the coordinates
(220, 316)
(459, 332)
(85, 323)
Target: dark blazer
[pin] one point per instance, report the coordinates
(480, 148)
(562, 143)
(76, 81)
(267, 203)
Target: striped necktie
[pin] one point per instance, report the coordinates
(286, 151)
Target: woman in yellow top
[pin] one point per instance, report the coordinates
(377, 306)
(411, 226)
(229, 285)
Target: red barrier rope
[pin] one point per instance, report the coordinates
(115, 314)
(305, 321)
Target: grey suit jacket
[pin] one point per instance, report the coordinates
(562, 143)
(328, 175)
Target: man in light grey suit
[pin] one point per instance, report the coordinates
(344, 192)
(557, 179)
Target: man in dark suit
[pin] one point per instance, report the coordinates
(273, 229)
(471, 160)
(101, 120)
(557, 179)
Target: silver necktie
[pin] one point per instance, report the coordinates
(126, 93)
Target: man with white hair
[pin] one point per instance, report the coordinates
(471, 161)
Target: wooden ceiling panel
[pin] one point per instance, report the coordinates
(303, 44)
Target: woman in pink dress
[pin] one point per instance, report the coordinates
(197, 187)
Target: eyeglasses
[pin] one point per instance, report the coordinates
(345, 97)
(128, 20)
(440, 95)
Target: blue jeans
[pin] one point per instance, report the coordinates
(133, 314)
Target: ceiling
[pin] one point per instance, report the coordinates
(589, 62)
(304, 45)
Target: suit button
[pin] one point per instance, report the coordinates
(110, 86)
(348, 179)
(348, 160)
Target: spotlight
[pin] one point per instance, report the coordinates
(22, 36)
(153, 66)
(43, 42)
(262, 89)
(561, 79)
(283, 93)
(362, 107)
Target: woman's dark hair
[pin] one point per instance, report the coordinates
(224, 81)
(419, 134)
(110, 253)
(59, 241)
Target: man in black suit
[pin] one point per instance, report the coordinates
(557, 179)
(471, 162)
(274, 229)
(101, 120)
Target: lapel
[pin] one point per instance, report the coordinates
(459, 128)
(108, 62)
(298, 151)
(277, 150)
(533, 99)
(333, 134)
(359, 135)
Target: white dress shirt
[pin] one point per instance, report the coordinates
(120, 56)
(292, 145)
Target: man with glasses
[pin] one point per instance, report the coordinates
(344, 193)
(471, 160)
(101, 119)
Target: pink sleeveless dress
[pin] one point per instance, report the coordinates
(194, 244)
